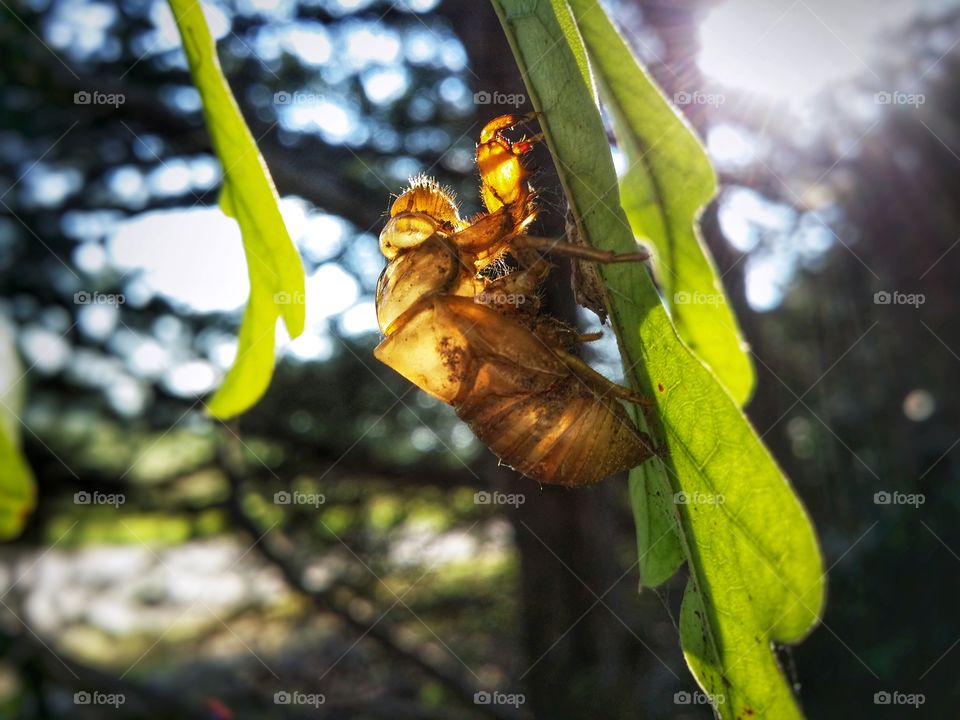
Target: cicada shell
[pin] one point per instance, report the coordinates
(507, 372)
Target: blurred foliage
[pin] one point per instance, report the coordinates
(814, 216)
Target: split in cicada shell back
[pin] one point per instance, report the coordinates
(426, 196)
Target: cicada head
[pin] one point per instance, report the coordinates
(503, 177)
(421, 210)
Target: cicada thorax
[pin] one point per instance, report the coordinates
(433, 268)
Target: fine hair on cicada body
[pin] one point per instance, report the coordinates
(468, 331)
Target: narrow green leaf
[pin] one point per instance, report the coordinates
(17, 486)
(659, 551)
(658, 545)
(276, 273)
(755, 567)
(668, 182)
(572, 33)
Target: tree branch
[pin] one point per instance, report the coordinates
(359, 614)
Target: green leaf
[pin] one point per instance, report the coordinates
(755, 568)
(658, 545)
(659, 551)
(668, 182)
(276, 273)
(572, 33)
(17, 486)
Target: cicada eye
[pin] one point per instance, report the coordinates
(406, 231)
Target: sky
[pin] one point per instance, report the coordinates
(791, 49)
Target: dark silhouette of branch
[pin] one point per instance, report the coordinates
(359, 614)
(67, 672)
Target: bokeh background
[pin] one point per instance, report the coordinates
(183, 583)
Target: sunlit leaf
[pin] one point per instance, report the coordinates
(276, 273)
(755, 567)
(659, 551)
(668, 181)
(17, 486)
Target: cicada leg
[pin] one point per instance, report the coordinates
(589, 337)
(515, 293)
(598, 381)
(557, 334)
(493, 130)
(486, 239)
(581, 252)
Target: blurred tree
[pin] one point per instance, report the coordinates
(346, 101)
